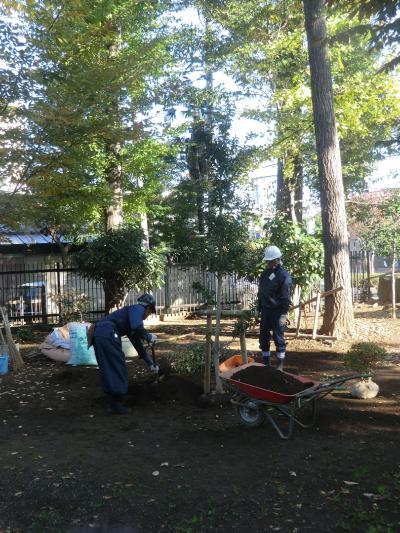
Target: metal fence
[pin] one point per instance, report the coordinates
(360, 268)
(44, 293)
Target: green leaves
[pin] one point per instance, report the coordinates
(121, 257)
(302, 254)
(383, 235)
(92, 69)
(364, 356)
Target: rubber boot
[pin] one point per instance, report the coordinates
(279, 363)
(117, 406)
(266, 357)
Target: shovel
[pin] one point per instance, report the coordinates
(164, 369)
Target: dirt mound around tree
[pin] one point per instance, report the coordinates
(269, 378)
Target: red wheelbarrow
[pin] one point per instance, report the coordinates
(255, 404)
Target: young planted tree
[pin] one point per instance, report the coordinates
(225, 249)
(338, 316)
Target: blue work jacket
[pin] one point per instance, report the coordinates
(125, 321)
(274, 290)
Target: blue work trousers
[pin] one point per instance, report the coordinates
(111, 359)
(270, 323)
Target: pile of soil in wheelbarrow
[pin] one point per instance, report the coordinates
(269, 378)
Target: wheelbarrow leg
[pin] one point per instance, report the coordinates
(278, 429)
(290, 413)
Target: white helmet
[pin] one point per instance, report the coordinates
(271, 253)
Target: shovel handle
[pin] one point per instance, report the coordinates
(153, 354)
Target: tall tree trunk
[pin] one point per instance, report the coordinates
(114, 216)
(281, 189)
(394, 315)
(289, 192)
(338, 316)
(197, 165)
(113, 291)
(298, 189)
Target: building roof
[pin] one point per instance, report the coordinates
(26, 240)
(25, 236)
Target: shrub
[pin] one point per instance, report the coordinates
(189, 359)
(364, 356)
(24, 334)
(73, 305)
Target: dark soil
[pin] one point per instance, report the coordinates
(68, 466)
(269, 378)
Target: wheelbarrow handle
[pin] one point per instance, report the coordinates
(321, 387)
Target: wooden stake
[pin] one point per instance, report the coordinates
(315, 327)
(15, 357)
(207, 367)
(298, 321)
(243, 348)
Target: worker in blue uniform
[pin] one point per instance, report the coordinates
(274, 299)
(108, 347)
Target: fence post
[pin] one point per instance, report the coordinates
(368, 278)
(167, 288)
(43, 303)
(58, 290)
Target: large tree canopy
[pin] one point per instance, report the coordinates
(82, 149)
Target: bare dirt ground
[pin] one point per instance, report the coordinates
(67, 465)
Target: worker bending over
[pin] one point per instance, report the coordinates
(108, 347)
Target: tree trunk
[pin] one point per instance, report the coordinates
(217, 346)
(298, 189)
(289, 192)
(197, 166)
(338, 317)
(114, 216)
(394, 285)
(113, 295)
(281, 189)
(145, 227)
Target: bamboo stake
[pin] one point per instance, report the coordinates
(15, 357)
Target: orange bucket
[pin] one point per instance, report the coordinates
(233, 362)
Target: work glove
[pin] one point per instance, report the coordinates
(152, 339)
(155, 369)
(282, 321)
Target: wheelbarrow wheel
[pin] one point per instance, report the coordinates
(251, 415)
